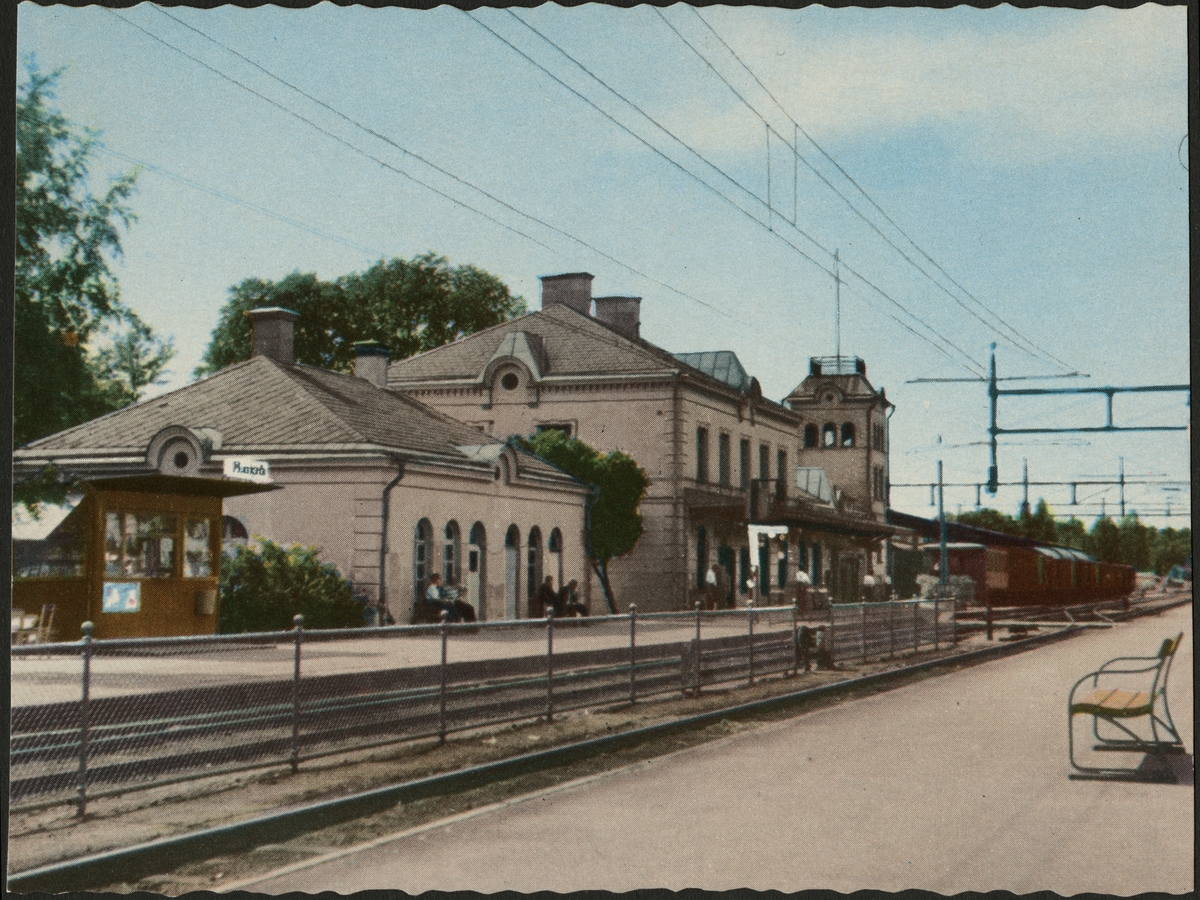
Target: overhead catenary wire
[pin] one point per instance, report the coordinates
(449, 174)
(701, 181)
(1016, 338)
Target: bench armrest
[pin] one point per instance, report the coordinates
(1152, 663)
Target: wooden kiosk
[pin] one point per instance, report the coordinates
(139, 556)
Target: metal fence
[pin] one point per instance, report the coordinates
(98, 717)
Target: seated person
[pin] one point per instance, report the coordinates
(569, 602)
(435, 596)
(544, 600)
(466, 612)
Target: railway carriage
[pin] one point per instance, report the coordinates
(1033, 576)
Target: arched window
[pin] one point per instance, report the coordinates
(828, 435)
(533, 569)
(701, 556)
(810, 436)
(847, 434)
(451, 555)
(422, 556)
(555, 546)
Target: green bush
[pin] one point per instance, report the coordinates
(262, 590)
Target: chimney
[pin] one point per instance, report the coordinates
(621, 314)
(272, 333)
(573, 290)
(371, 362)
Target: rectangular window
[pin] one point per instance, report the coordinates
(564, 427)
(701, 455)
(781, 464)
(59, 555)
(744, 476)
(723, 460)
(139, 545)
(764, 461)
(197, 549)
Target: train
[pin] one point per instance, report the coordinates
(1033, 575)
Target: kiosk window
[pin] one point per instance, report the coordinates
(197, 549)
(139, 545)
(60, 555)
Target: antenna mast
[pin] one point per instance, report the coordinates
(837, 310)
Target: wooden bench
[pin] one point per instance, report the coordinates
(1120, 707)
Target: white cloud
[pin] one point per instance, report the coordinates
(1051, 82)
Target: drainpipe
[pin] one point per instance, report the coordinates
(383, 537)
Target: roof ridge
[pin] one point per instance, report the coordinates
(432, 350)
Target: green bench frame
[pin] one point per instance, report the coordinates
(1117, 705)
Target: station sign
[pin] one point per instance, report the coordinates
(256, 470)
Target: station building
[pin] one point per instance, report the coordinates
(389, 489)
(809, 473)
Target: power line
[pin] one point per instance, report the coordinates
(237, 201)
(701, 181)
(445, 172)
(795, 149)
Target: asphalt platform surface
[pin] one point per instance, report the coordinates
(954, 783)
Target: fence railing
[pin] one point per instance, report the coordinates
(150, 711)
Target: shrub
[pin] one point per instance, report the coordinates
(261, 590)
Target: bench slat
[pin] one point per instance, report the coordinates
(1114, 703)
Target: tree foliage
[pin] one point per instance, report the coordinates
(615, 524)
(408, 305)
(1129, 542)
(78, 351)
(261, 590)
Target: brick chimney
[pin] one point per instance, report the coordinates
(371, 362)
(273, 333)
(573, 290)
(621, 314)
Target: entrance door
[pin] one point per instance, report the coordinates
(476, 577)
(512, 566)
(848, 577)
(725, 561)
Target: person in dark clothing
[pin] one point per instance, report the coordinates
(806, 647)
(568, 600)
(824, 649)
(545, 599)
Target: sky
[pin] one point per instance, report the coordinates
(983, 175)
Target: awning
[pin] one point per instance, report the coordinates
(154, 483)
(27, 527)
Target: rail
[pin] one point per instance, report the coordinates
(152, 711)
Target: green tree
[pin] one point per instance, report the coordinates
(66, 300)
(261, 590)
(1039, 525)
(1105, 540)
(991, 519)
(1073, 533)
(614, 523)
(1133, 542)
(408, 305)
(1169, 548)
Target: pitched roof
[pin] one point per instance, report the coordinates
(261, 403)
(574, 344)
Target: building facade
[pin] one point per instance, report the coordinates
(719, 455)
(390, 490)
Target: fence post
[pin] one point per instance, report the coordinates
(81, 807)
(936, 609)
(632, 647)
(445, 618)
(832, 642)
(294, 761)
(891, 631)
(862, 631)
(698, 678)
(989, 620)
(954, 624)
(550, 665)
(750, 623)
(795, 635)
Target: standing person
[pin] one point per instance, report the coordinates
(545, 599)
(751, 584)
(713, 595)
(806, 647)
(435, 596)
(568, 600)
(802, 585)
